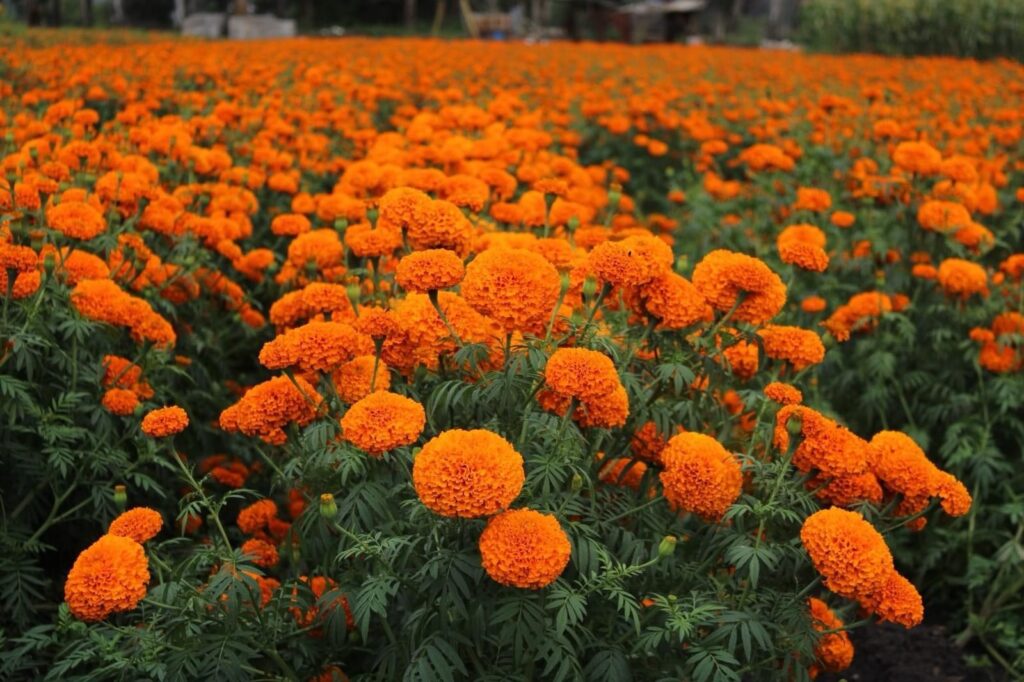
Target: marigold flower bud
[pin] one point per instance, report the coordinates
(328, 507)
(667, 547)
(120, 497)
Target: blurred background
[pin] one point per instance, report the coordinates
(964, 28)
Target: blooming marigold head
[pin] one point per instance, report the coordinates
(467, 473)
(630, 262)
(801, 348)
(76, 219)
(824, 445)
(917, 157)
(834, 651)
(383, 421)
(803, 246)
(700, 475)
(849, 553)
(257, 516)
(723, 276)
(962, 278)
(164, 421)
(140, 524)
(120, 401)
(524, 548)
(783, 394)
(581, 373)
(109, 576)
(429, 270)
(515, 287)
(895, 600)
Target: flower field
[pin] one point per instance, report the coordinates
(415, 360)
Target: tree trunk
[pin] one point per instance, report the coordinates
(86, 6)
(55, 15)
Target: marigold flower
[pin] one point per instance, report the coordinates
(917, 157)
(430, 270)
(352, 380)
(902, 467)
(267, 408)
(801, 348)
(315, 347)
(812, 199)
(722, 276)
(320, 586)
(783, 394)
(467, 474)
(673, 300)
(843, 219)
(120, 401)
(861, 312)
(515, 287)
(322, 248)
(109, 576)
(257, 516)
(630, 262)
(849, 553)
(524, 548)
(383, 421)
(290, 225)
(834, 651)
(76, 219)
(140, 524)
(803, 246)
(943, 216)
(164, 421)
(813, 304)
(700, 475)
(260, 552)
(896, 600)
(825, 445)
(962, 278)
(581, 373)
(440, 225)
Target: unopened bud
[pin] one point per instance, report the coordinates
(328, 507)
(795, 425)
(120, 497)
(340, 224)
(577, 483)
(49, 263)
(667, 547)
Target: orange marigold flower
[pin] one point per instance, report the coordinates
(760, 157)
(623, 471)
(524, 548)
(164, 421)
(804, 246)
(267, 408)
(896, 600)
(813, 304)
(834, 651)
(109, 576)
(847, 551)
(140, 524)
(1013, 266)
(812, 199)
(962, 278)
(783, 394)
(630, 262)
(917, 157)
(843, 219)
(580, 373)
(430, 270)
(352, 380)
(673, 300)
(861, 312)
(383, 421)
(440, 225)
(320, 247)
(320, 586)
(824, 445)
(943, 216)
(260, 552)
(608, 412)
(846, 491)
(315, 347)
(700, 475)
(799, 347)
(76, 219)
(290, 225)
(120, 401)
(723, 276)
(257, 516)
(515, 287)
(903, 468)
(467, 474)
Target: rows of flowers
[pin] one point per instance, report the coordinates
(414, 360)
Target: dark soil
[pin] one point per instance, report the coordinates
(890, 653)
